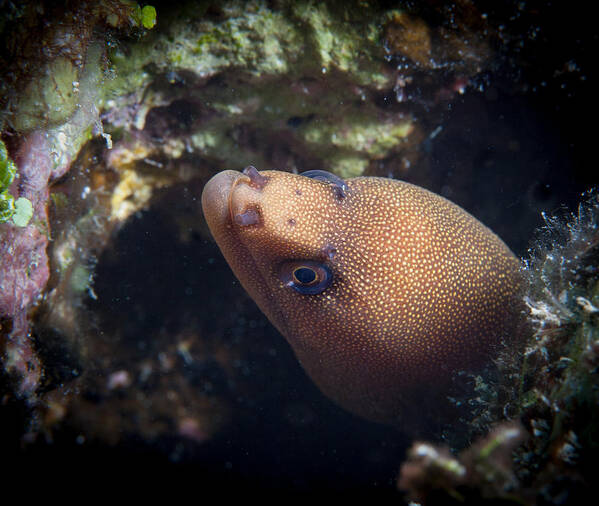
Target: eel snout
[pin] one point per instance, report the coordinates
(233, 197)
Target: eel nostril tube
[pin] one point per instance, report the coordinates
(247, 218)
(257, 180)
(256, 183)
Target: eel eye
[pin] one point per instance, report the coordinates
(338, 184)
(306, 277)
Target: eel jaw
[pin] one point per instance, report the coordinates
(223, 212)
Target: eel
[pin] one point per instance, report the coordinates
(384, 290)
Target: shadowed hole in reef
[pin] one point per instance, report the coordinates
(162, 277)
(149, 280)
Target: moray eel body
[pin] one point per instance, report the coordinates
(383, 289)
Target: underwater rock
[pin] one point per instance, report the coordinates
(24, 270)
(411, 37)
(482, 472)
(296, 78)
(49, 94)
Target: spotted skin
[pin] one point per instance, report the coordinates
(420, 289)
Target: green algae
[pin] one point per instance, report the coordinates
(299, 70)
(302, 72)
(148, 16)
(23, 212)
(263, 55)
(259, 41)
(18, 211)
(363, 135)
(8, 172)
(251, 37)
(67, 138)
(348, 166)
(51, 99)
(8, 169)
(351, 47)
(42, 85)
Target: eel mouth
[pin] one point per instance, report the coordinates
(231, 204)
(216, 199)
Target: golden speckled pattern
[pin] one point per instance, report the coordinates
(420, 289)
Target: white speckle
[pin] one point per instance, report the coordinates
(119, 379)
